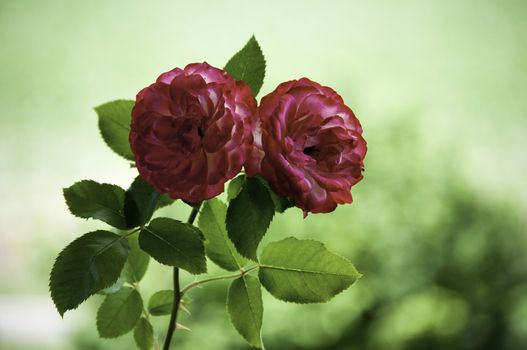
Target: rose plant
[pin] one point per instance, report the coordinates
(189, 134)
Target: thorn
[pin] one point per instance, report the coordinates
(185, 328)
(182, 307)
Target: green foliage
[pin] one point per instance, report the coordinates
(144, 334)
(119, 313)
(218, 246)
(249, 216)
(161, 302)
(245, 307)
(136, 264)
(87, 265)
(248, 65)
(304, 271)
(114, 288)
(235, 186)
(114, 124)
(174, 243)
(110, 264)
(281, 204)
(141, 200)
(90, 199)
(164, 201)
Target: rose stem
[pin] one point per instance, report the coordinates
(177, 291)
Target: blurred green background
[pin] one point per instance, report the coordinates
(438, 226)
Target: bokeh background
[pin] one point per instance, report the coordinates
(438, 226)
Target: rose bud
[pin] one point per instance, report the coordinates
(308, 146)
(190, 131)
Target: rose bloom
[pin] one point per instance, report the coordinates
(190, 131)
(309, 146)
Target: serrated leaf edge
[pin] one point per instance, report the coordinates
(359, 275)
(151, 328)
(255, 258)
(97, 316)
(121, 214)
(154, 308)
(252, 38)
(118, 238)
(232, 249)
(96, 109)
(171, 245)
(261, 346)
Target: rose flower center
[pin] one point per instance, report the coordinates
(312, 151)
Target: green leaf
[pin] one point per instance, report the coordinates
(218, 246)
(119, 313)
(87, 265)
(164, 201)
(137, 262)
(249, 216)
(174, 243)
(248, 65)
(161, 302)
(114, 124)
(144, 334)
(235, 186)
(114, 288)
(245, 307)
(141, 200)
(281, 204)
(90, 199)
(304, 271)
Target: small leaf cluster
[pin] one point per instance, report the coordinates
(113, 262)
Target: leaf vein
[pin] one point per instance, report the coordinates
(292, 269)
(167, 242)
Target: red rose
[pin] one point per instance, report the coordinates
(309, 145)
(190, 130)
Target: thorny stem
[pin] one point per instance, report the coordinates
(177, 291)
